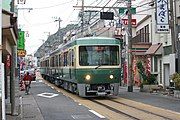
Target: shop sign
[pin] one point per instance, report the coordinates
(162, 16)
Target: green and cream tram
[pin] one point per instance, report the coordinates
(87, 66)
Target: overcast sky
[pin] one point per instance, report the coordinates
(39, 21)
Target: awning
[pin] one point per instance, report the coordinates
(155, 49)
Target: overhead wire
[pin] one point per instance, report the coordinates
(70, 15)
(93, 2)
(108, 10)
(54, 5)
(141, 5)
(113, 25)
(98, 13)
(37, 24)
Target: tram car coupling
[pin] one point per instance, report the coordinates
(87, 66)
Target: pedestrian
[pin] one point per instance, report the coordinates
(27, 81)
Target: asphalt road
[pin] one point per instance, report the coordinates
(56, 106)
(154, 99)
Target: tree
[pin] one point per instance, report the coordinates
(148, 79)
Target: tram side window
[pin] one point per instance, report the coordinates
(72, 60)
(69, 58)
(52, 62)
(47, 63)
(56, 61)
(59, 60)
(65, 58)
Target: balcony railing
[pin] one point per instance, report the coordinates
(141, 38)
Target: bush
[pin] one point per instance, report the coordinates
(176, 79)
(148, 79)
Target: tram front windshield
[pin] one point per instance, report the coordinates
(98, 55)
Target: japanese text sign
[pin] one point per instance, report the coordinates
(21, 40)
(162, 16)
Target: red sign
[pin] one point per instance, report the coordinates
(125, 21)
(8, 61)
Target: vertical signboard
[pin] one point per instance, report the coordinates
(2, 90)
(21, 40)
(162, 16)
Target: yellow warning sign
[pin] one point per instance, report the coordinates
(21, 53)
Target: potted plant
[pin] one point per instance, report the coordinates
(148, 80)
(176, 79)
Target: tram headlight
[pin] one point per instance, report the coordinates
(111, 76)
(88, 77)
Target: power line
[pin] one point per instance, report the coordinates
(141, 5)
(54, 5)
(93, 2)
(97, 13)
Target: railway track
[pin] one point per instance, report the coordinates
(119, 108)
(115, 110)
(144, 113)
(166, 118)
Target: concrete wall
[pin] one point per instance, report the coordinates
(5, 20)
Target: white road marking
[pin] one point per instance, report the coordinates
(40, 81)
(48, 95)
(52, 87)
(97, 114)
(79, 104)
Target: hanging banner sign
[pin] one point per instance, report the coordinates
(21, 40)
(162, 16)
(8, 61)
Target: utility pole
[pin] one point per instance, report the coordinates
(82, 18)
(12, 79)
(12, 5)
(174, 30)
(59, 20)
(130, 77)
(172, 26)
(177, 35)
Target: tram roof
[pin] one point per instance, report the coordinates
(87, 41)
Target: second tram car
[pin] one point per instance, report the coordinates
(87, 66)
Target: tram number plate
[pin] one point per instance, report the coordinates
(101, 93)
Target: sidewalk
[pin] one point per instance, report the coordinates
(26, 107)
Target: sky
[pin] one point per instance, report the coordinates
(39, 22)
